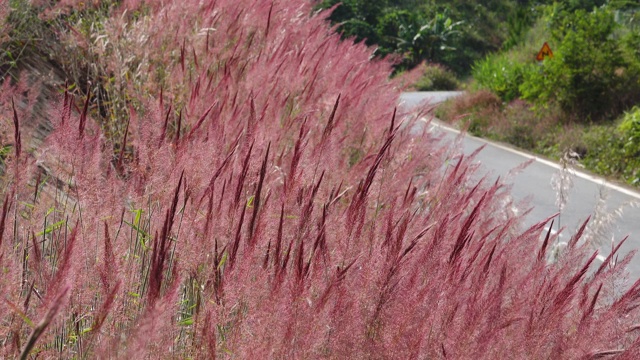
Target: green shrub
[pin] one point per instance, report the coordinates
(588, 70)
(603, 150)
(630, 126)
(615, 150)
(391, 25)
(437, 77)
(629, 130)
(501, 74)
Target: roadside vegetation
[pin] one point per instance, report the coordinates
(453, 34)
(582, 100)
(228, 179)
(575, 101)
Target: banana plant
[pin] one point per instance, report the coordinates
(430, 40)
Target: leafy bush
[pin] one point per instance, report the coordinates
(501, 74)
(629, 129)
(588, 70)
(437, 77)
(615, 151)
(603, 150)
(235, 220)
(518, 25)
(356, 19)
(391, 27)
(428, 41)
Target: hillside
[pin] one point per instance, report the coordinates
(228, 179)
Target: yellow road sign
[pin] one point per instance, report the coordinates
(544, 53)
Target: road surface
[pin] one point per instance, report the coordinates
(534, 182)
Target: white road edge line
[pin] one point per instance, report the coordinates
(579, 174)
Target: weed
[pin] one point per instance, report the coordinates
(265, 200)
(436, 77)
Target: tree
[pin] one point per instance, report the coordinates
(430, 41)
(356, 18)
(587, 70)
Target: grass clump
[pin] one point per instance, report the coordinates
(482, 113)
(437, 78)
(264, 199)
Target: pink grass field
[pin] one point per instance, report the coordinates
(262, 199)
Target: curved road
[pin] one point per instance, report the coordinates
(534, 183)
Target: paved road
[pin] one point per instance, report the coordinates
(535, 182)
(412, 99)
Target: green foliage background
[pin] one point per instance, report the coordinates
(451, 33)
(588, 72)
(577, 100)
